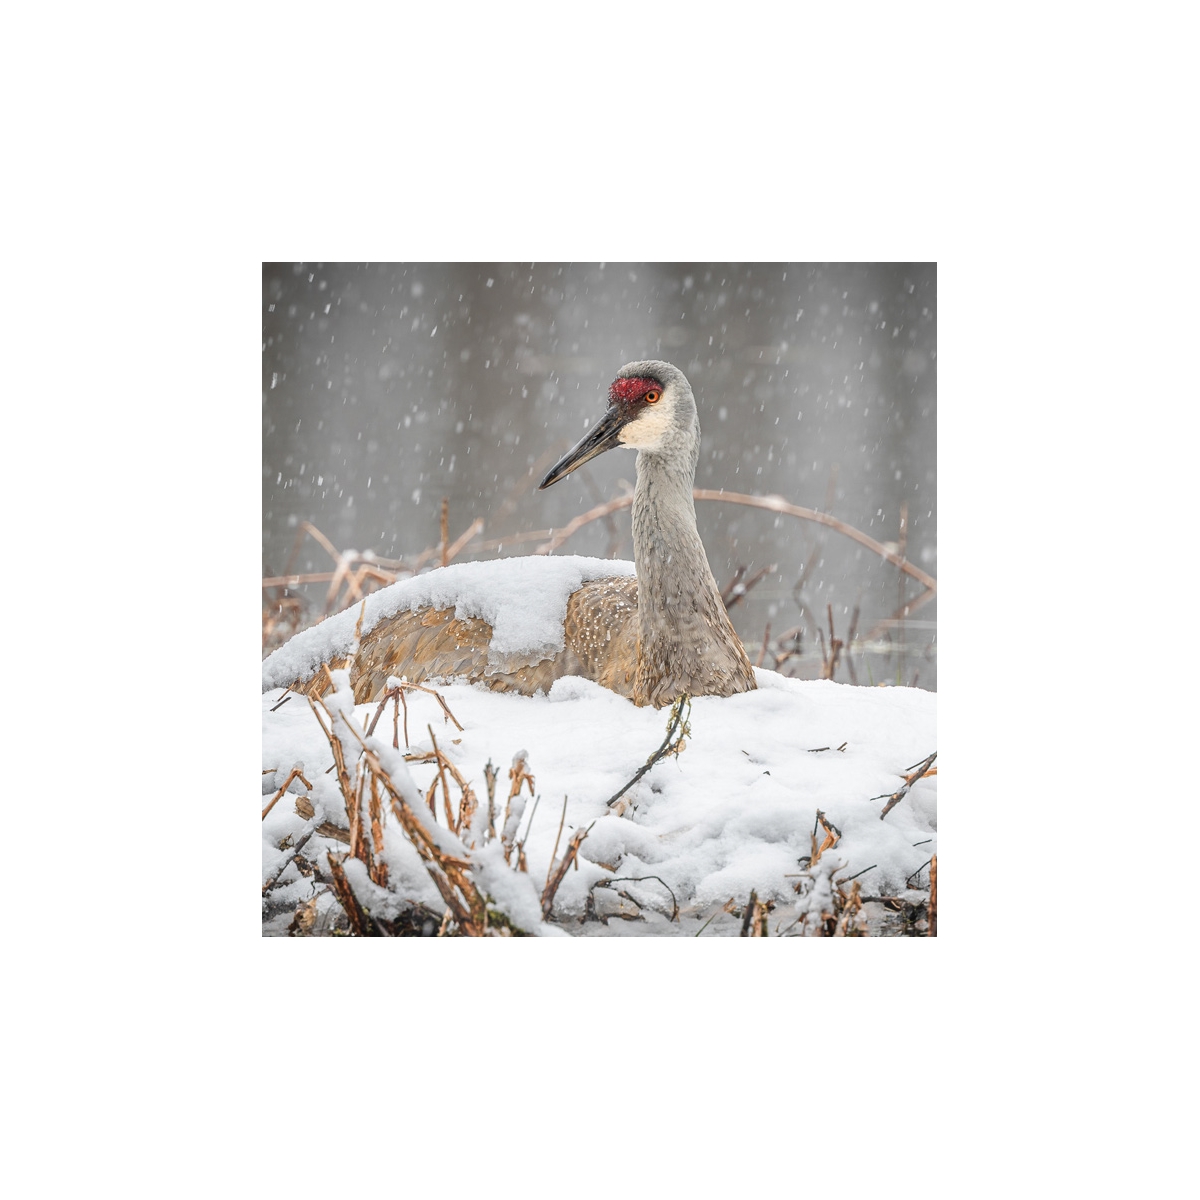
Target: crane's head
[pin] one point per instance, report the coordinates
(650, 408)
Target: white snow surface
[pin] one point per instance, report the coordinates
(733, 813)
(523, 599)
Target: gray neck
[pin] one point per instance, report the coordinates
(670, 557)
(686, 642)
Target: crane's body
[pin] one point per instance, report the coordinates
(649, 637)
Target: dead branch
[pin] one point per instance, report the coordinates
(736, 591)
(922, 769)
(640, 879)
(916, 874)
(858, 873)
(577, 523)
(294, 857)
(778, 505)
(677, 722)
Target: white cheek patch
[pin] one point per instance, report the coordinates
(649, 428)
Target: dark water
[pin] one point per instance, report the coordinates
(387, 387)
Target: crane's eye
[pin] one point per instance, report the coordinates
(652, 396)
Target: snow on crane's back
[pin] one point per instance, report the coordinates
(523, 599)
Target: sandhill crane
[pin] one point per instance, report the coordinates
(649, 637)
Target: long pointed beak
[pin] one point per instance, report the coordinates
(602, 436)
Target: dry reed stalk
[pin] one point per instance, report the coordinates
(748, 915)
(296, 773)
(933, 896)
(445, 542)
(286, 581)
(763, 651)
(367, 571)
(832, 836)
(554, 852)
(360, 846)
(522, 865)
(354, 570)
(489, 775)
(901, 583)
(569, 857)
(467, 801)
(519, 774)
(850, 645)
(918, 771)
(341, 572)
(451, 875)
(463, 538)
(829, 665)
(849, 922)
(282, 623)
(441, 774)
(378, 867)
(359, 924)
(402, 686)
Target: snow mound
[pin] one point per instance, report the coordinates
(523, 599)
(735, 812)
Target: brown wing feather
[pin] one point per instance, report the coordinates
(600, 633)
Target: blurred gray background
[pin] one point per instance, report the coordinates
(387, 387)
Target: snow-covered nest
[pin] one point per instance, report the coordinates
(734, 813)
